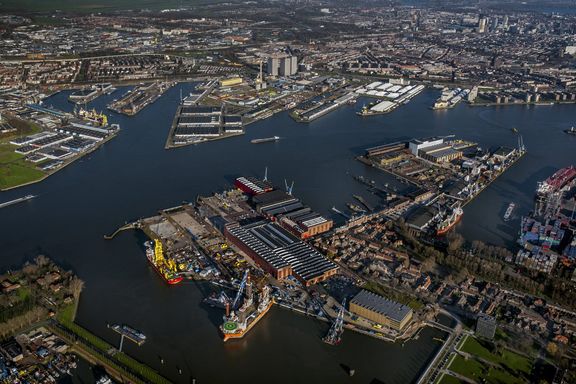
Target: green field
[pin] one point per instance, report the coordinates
(447, 379)
(95, 5)
(14, 170)
(493, 367)
(474, 347)
(469, 368)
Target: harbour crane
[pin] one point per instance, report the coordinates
(289, 188)
(334, 335)
(240, 290)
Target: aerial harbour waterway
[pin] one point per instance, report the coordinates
(133, 176)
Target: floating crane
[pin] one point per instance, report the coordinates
(334, 336)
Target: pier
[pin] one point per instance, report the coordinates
(125, 227)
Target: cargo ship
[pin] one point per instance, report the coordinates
(450, 221)
(235, 327)
(92, 116)
(166, 268)
(508, 212)
(265, 140)
(557, 181)
(16, 201)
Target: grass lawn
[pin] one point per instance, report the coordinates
(14, 170)
(500, 376)
(447, 379)
(474, 347)
(508, 368)
(516, 362)
(470, 368)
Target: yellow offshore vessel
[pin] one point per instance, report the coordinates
(166, 268)
(96, 117)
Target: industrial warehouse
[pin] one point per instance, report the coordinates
(279, 253)
(381, 310)
(268, 225)
(194, 123)
(287, 210)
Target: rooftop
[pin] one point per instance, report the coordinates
(381, 305)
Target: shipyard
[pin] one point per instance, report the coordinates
(258, 246)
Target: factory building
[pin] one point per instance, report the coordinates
(415, 145)
(231, 81)
(434, 149)
(291, 214)
(280, 253)
(202, 121)
(252, 186)
(440, 153)
(381, 310)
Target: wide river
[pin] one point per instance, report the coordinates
(132, 176)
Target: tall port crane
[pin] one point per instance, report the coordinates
(240, 290)
(334, 335)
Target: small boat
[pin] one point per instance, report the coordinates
(514, 130)
(571, 131)
(508, 212)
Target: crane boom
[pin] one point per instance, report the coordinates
(240, 290)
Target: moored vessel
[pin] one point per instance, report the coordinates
(166, 268)
(449, 221)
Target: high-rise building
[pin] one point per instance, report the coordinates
(482, 23)
(288, 66)
(282, 65)
(485, 326)
(273, 65)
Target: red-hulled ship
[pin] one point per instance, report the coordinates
(165, 268)
(557, 181)
(450, 221)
